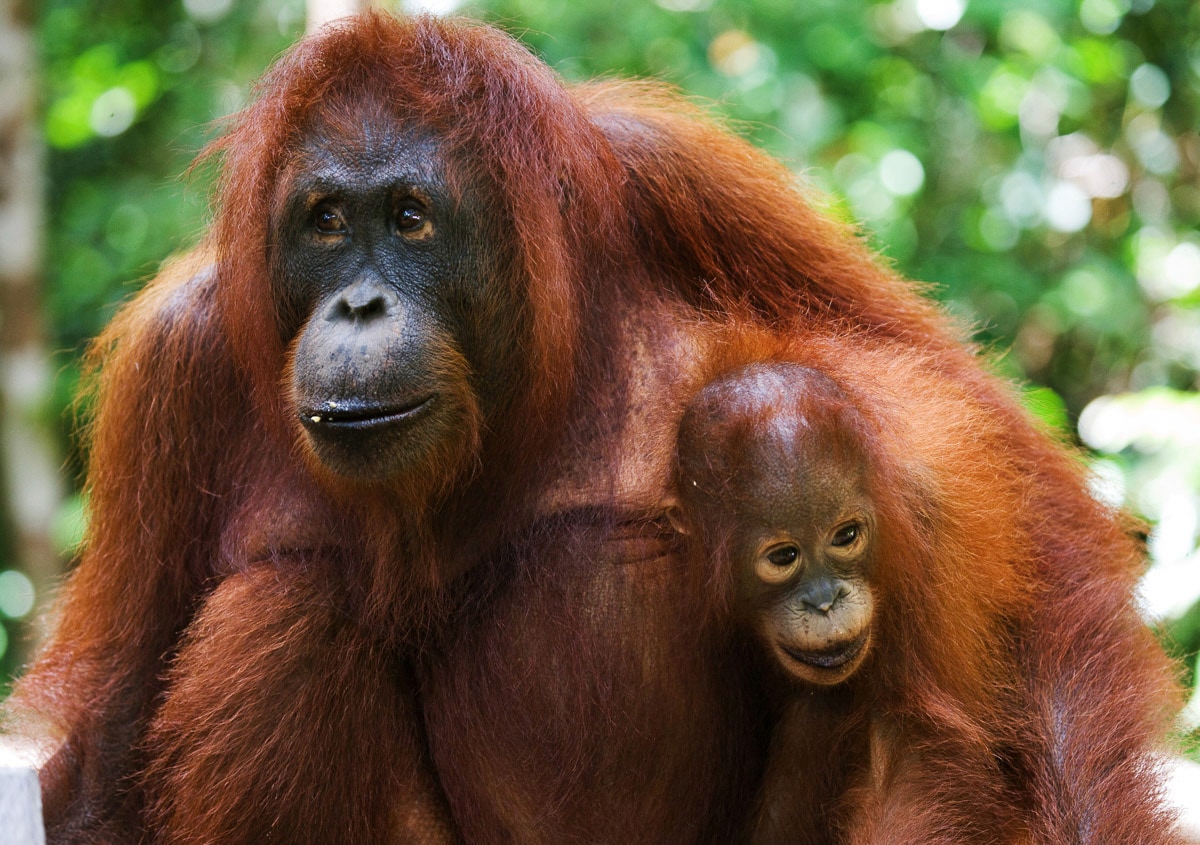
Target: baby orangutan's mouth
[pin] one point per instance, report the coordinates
(830, 658)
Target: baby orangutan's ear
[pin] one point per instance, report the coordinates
(672, 508)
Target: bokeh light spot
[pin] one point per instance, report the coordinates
(1067, 208)
(734, 53)
(113, 112)
(901, 173)
(16, 594)
(207, 11)
(1149, 86)
(940, 14)
(1102, 16)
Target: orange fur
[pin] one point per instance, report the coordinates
(926, 726)
(569, 682)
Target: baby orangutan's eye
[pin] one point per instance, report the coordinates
(846, 535)
(784, 556)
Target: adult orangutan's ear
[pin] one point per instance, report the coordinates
(673, 510)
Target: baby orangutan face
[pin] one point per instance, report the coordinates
(801, 565)
(772, 480)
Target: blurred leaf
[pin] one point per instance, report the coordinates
(1049, 407)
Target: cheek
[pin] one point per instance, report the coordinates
(300, 288)
(490, 309)
(488, 305)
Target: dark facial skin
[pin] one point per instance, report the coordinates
(800, 563)
(381, 279)
(766, 467)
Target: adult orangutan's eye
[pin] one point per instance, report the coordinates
(327, 220)
(410, 216)
(410, 220)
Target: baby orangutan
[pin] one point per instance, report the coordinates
(880, 596)
(779, 487)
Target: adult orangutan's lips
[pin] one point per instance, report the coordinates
(829, 658)
(336, 416)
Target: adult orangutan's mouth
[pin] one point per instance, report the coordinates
(336, 416)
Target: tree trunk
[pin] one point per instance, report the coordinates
(32, 488)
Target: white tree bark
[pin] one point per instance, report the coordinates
(32, 485)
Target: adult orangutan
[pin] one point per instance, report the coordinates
(361, 564)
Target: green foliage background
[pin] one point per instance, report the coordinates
(1038, 162)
